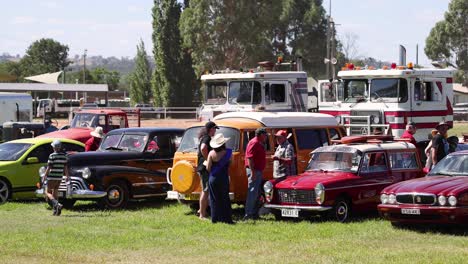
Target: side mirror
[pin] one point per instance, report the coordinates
(32, 160)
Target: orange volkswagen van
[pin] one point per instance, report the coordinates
(306, 132)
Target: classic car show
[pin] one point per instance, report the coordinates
(234, 131)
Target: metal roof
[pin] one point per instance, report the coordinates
(282, 119)
(43, 87)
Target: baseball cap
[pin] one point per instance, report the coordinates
(260, 131)
(210, 124)
(281, 133)
(442, 124)
(56, 143)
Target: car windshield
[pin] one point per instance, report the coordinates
(335, 158)
(124, 142)
(190, 139)
(452, 165)
(84, 120)
(13, 151)
(215, 92)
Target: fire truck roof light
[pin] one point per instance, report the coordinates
(393, 66)
(385, 67)
(410, 65)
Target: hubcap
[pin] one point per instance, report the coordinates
(3, 192)
(113, 195)
(342, 211)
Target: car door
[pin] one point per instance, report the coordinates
(374, 176)
(28, 173)
(308, 139)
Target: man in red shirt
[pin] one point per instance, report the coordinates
(255, 161)
(93, 143)
(409, 132)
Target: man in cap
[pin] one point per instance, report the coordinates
(48, 126)
(92, 144)
(56, 169)
(409, 132)
(440, 146)
(203, 149)
(283, 159)
(255, 161)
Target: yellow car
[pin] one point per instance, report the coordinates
(20, 161)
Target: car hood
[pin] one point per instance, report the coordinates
(5, 163)
(79, 134)
(431, 184)
(93, 158)
(308, 180)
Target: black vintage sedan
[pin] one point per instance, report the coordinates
(130, 163)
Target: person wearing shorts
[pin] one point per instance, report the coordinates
(56, 169)
(203, 149)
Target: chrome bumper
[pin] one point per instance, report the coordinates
(304, 208)
(77, 189)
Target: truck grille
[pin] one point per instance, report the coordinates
(296, 196)
(363, 121)
(416, 198)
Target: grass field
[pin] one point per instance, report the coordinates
(166, 232)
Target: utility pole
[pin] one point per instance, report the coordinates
(84, 66)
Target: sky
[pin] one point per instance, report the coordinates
(114, 27)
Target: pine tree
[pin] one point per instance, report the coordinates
(140, 79)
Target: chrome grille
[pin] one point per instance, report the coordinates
(296, 196)
(416, 198)
(363, 121)
(77, 183)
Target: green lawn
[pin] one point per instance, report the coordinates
(458, 129)
(163, 232)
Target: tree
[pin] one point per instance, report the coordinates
(448, 39)
(43, 56)
(172, 77)
(349, 46)
(101, 75)
(140, 78)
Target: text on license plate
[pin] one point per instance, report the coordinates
(410, 211)
(290, 212)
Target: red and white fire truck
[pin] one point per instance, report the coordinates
(368, 99)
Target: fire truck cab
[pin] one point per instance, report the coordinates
(368, 100)
(267, 86)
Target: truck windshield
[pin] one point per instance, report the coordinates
(190, 139)
(84, 120)
(389, 90)
(355, 90)
(335, 161)
(246, 92)
(216, 92)
(13, 151)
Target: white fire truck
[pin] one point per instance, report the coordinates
(231, 91)
(365, 100)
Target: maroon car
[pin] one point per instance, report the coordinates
(440, 197)
(342, 179)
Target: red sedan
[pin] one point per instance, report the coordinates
(440, 197)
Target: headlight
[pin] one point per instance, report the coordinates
(338, 119)
(375, 119)
(384, 198)
(452, 200)
(391, 199)
(42, 171)
(268, 187)
(86, 173)
(319, 193)
(442, 200)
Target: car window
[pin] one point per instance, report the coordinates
(13, 151)
(403, 160)
(334, 134)
(165, 147)
(41, 152)
(70, 147)
(374, 162)
(248, 135)
(311, 138)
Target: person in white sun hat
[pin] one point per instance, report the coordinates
(218, 182)
(92, 144)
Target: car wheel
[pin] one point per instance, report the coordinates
(4, 191)
(117, 195)
(341, 210)
(68, 203)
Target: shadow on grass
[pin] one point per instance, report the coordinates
(134, 205)
(455, 230)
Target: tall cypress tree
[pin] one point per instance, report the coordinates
(172, 79)
(140, 78)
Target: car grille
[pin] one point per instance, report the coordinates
(416, 198)
(296, 196)
(77, 183)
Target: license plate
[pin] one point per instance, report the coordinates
(290, 212)
(192, 196)
(410, 211)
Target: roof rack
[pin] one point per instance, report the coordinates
(364, 139)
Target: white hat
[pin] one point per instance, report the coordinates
(56, 143)
(218, 140)
(98, 132)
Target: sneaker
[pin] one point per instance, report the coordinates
(54, 210)
(59, 209)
